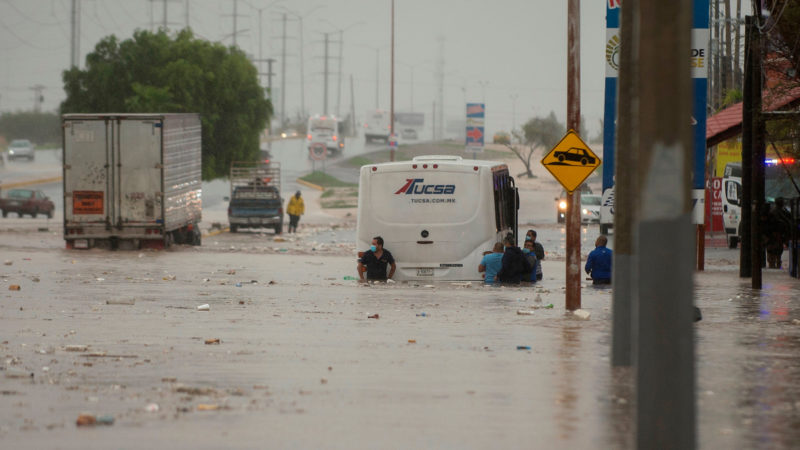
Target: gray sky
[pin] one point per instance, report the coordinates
(512, 47)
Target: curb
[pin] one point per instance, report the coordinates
(311, 185)
(17, 184)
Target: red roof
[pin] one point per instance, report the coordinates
(727, 123)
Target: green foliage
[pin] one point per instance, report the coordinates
(358, 161)
(325, 180)
(543, 131)
(39, 128)
(157, 73)
(732, 97)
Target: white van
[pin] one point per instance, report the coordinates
(376, 125)
(436, 214)
(732, 202)
(325, 130)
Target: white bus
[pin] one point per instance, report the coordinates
(436, 214)
(325, 130)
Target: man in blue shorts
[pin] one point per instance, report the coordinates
(492, 263)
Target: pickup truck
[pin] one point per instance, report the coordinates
(255, 200)
(26, 201)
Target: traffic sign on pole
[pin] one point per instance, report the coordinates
(476, 113)
(571, 161)
(318, 151)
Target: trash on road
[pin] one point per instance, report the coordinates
(412, 341)
(207, 407)
(525, 312)
(170, 278)
(8, 262)
(374, 316)
(349, 278)
(581, 314)
(14, 287)
(231, 272)
(422, 314)
(152, 407)
(86, 420)
(796, 321)
(105, 420)
(212, 341)
(121, 301)
(205, 307)
(13, 372)
(238, 285)
(76, 348)
(523, 347)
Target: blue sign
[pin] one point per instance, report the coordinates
(476, 113)
(699, 60)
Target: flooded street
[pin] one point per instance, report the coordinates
(299, 362)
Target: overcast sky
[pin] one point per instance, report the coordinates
(497, 49)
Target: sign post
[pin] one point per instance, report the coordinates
(318, 151)
(570, 162)
(476, 113)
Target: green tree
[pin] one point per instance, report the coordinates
(158, 73)
(39, 127)
(538, 132)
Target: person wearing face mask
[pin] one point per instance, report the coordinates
(538, 250)
(530, 254)
(375, 261)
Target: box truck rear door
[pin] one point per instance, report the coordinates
(140, 183)
(86, 171)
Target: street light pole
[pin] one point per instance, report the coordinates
(573, 213)
(391, 114)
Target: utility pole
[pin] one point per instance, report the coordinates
(377, 77)
(283, 74)
(75, 34)
(745, 247)
(737, 84)
(440, 86)
(38, 97)
(302, 73)
(392, 137)
(757, 178)
(164, 25)
(186, 14)
(664, 333)
(626, 188)
(339, 78)
(354, 131)
(235, 20)
(717, 50)
(483, 84)
(433, 118)
(325, 77)
(728, 74)
(573, 216)
(412, 88)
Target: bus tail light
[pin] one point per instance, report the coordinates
(475, 168)
(308, 137)
(435, 166)
(413, 166)
(424, 166)
(374, 169)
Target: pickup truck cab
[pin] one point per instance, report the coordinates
(26, 201)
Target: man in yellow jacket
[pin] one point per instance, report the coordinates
(295, 209)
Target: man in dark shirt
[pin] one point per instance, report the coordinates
(374, 262)
(515, 265)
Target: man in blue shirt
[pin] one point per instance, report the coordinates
(492, 263)
(598, 265)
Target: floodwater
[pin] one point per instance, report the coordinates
(300, 364)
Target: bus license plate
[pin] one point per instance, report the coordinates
(427, 272)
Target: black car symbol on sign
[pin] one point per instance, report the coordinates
(575, 154)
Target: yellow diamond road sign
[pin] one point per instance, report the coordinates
(571, 161)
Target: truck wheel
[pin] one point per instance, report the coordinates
(234, 228)
(5, 213)
(50, 214)
(603, 229)
(278, 229)
(197, 236)
(733, 241)
(34, 213)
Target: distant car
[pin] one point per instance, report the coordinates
(21, 148)
(561, 203)
(409, 133)
(501, 137)
(577, 155)
(26, 201)
(590, 208)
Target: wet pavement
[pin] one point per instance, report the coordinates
(299, 362)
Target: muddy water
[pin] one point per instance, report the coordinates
(300, 364)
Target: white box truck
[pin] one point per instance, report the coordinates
(131, 180)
